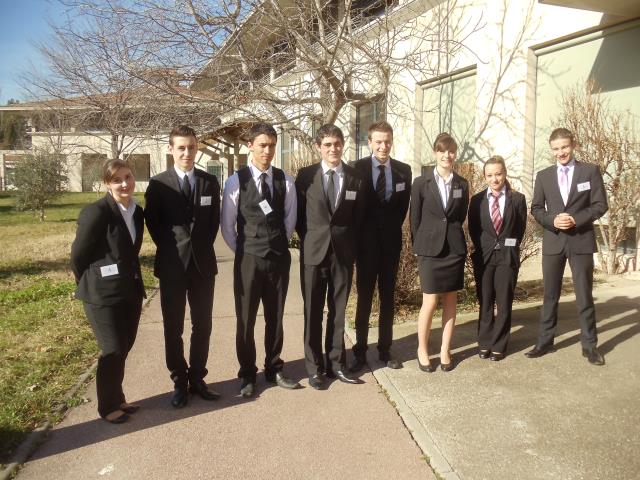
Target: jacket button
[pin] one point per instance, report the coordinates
(444, 219)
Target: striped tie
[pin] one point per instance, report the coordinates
(496, 218)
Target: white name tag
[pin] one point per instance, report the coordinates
(509, 242)
(109, 270)
(457, 193)
(350, 195)
(400, 187)
(584, 186)
(205, 201)
(266, 208)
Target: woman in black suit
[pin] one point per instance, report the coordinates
(104, 258)
(497, 221)
(439, 201)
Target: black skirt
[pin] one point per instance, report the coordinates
(441, 274)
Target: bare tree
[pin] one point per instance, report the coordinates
(607, 138)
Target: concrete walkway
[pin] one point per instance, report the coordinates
(347, 431)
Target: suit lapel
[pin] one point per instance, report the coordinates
(122, 226)
(432, 186)
(138, 220)
(485, 214)
(455, 185)
(316, 188)
(508, 210)
(577, 171)
(174, 181)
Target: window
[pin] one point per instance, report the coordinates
(366, 114)
(448, 105)
(286, 150)
(91, 170)
(215, 168)
(363, 11)
(140, 166)
(283, 57)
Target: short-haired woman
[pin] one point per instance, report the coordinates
(104, 258)
(439, 201)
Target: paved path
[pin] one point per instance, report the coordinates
(348, 431)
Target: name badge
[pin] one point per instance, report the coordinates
(109, 270)
(350, 195)
(509, 242)
(205, 201)
(400, 187)
(457, 193)
(582, 187)
(266, 208)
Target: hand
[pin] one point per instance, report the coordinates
(564, 221)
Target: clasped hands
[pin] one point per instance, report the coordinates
(564, 221)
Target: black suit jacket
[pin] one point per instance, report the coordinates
(317, 227)
(383, 220)
(177, 237)
(483, 234)
(431, 224)
(102, 239)
(584, 206)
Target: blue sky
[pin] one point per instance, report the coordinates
(22, 23)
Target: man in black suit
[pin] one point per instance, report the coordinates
(258, 218)
(567, 198)
(330, 208)
(387, 188)
(183, 215)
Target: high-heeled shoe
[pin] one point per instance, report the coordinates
(429, 368)
(447, 367)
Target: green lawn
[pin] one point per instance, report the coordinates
(45, 340)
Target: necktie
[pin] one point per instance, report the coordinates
(496, 218)
(564, 183)
(381, 184)
(331, 190)
(186, 188)
(264, 187)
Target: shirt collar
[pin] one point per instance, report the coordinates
(182, 174)
(130, 209)
(437, 176)
(502, 192)
(376, 163)
(571, 164)
(326, 168)
(255, 172)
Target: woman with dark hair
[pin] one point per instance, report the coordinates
(104, 258)
(439, 201)
(497, 221)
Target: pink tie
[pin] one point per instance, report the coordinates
(564, 183)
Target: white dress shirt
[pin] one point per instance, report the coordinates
(375, 172)
(571, 165)
(127, 216)
(190, 175)
(338, 179)
(501, 200)
(444, 186)
(230, 197)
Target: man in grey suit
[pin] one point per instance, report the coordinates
(330, 203)
(567, 199)
(182, 212)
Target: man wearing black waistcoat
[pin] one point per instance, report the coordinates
(567, 199)
(387, 187)
(258, 218)
(182, 212)
(330, 209)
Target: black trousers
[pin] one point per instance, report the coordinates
(258, 279)
(582, 273)
(381, 266)
(495, 282)
(115, 328)
(329, 281)
(173, 297)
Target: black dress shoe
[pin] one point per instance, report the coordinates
(496, 357)
(358, 364)
(537, 351)
(129, 408)
(179, 397)
(316, 381)
(200, 388)
(247, 388)
(429, 368)
(117, 417)
(484, 354)
(329, 373)
(390, 361)
(279, 379)
(340, 375)
(593, 355)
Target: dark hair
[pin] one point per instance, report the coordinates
(328, 130)
(258, 129)
(380, 126)
(110, 167)
(497, 160)
(561, 133)
(445, 143)
(182, 131)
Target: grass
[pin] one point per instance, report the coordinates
(45, 340)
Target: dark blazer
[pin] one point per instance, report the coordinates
(483, 234)
(176, 236)
(431, 224)
(584, 206)
(317, 227)
(103, 239)
(384, 220)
